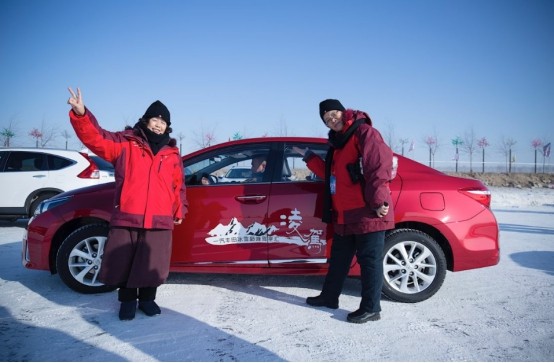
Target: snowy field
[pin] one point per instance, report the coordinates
(500, 313)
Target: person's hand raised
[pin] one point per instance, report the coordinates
(76, 102)
(299, 151)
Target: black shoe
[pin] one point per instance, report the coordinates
(150, 308)
(321, 301)
(360, 316)
(127, 310)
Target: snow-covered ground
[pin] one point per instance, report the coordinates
(500, 313)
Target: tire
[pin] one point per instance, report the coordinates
(39, 199)
(79, 259)
(414, 266)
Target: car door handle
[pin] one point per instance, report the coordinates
(39, 176)
(251, 199)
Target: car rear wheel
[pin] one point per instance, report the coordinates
(414, 266)
(79, 259)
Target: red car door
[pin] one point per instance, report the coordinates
(216, 229)
(226, 223)
(301, 240)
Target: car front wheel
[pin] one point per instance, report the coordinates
(79, 259)
(414, 266)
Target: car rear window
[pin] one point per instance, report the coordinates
(57, 163)
(101, 163)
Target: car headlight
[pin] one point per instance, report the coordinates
(51, 203)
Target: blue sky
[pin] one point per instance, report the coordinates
(419, 68)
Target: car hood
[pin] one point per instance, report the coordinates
(91, 189)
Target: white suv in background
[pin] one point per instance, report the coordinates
(237, 174)
(30, 175)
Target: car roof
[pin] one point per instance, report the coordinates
(295, 139)
(39, 149)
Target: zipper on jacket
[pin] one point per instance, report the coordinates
(160, 167)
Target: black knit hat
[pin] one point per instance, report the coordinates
(329, 105)
(157, 109)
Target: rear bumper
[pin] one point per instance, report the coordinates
(475, 242)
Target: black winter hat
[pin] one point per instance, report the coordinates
(157, 109)
(329, 105)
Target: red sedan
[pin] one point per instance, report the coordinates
(271, 224)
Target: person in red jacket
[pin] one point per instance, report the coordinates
(149, 200)
(357, 171)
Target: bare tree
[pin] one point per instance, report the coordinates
(36, 134)
(48, 135)
(209, 139)
(506, 146)
(44, 134)
(66, 135)
(433, 145)
(482, 143)
(181, 137)
(469, 146)
(403, 142)
(205, 138)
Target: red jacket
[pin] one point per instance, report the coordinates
(354, 204)
(150, 192)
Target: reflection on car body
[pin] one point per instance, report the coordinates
(273, 225)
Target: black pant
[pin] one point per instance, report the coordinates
(143, 294)
(368, 249)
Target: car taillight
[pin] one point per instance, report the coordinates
(480, 195)
(91, 172)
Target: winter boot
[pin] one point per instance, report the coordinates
(360, 316)
(321, 300)
(150, 308)
(147, 305)
(128, 298)
(127, 310)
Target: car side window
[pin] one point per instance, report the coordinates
(237, 164)
(294, 167)
(24, 161)
(15, 162)
(3, 159)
